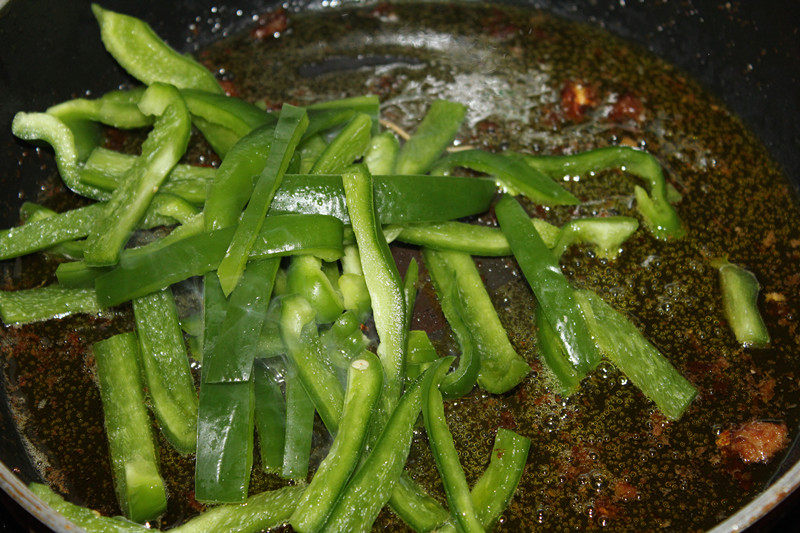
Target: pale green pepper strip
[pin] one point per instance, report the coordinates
(146, 57)
(164, 146)
(345, 148)
(740, 303)
(306, 278)
(382, 153)
(118, 109)
(364, 382)
(434, 134)
(45, 303)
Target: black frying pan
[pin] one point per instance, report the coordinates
(747, 53)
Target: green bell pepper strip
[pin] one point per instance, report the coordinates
(355, 295)
(458, 280)
(143, 273)
(45, 303)
(232, 113)
(420, 354)
(164, 146)
(345, 148)
(165, 368)
(496, 486)
(324, 121)
(118, 109)
(229, 355)
(261, 511)
(447, 462)
(740, 303)
(270, 416)
(646, 367)
(299, 426)
(309, 152)
(291, 125)
(373, 482)
(659, 215)
(364, 383)
(382, 278)
(382, 153)
(225, 427)
(146, 57)
(134, 463)
(306, 278)
(77, 275)
(367, 104)
(434, 134)
(510, 173)
(234, 180)
(270, 344)
(554, 357)
(454, 306)
(220, 138)
(342, 342)
(299, 334)
(552, 290)
(106, 169)
(65, 142)
(605, 234)
(410, 290)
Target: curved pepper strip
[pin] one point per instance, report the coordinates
(510, 173)
(119, 109)
(382, 153)
(554, 357)
(383, 281)
(364, 382)
(740, 303)
(551, 288)
(44, 303)
(659, 215)
(232, 113)
(162, 149)
(146, 57)
(345, 148)
(142, 273)
(434, 134)
(373, 482)
(306, 278)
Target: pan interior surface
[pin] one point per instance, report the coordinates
(602, 458)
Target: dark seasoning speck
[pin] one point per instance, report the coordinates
(604, 457)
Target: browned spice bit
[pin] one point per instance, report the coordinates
(766, 389)
(498, 25)
(270, 25)
(230, 88)
(754, 442)
(769, 240)
(774, 297)
(627, 107)
(114, 139)
(576, 99)
(624, 491)
(384, 12)
(794, 243)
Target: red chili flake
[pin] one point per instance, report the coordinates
(269, 24)
(627, 107)
(576, 99)
(229, 87)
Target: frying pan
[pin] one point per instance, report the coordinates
(744, 52)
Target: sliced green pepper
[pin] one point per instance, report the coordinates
(364, 383)
(164, 146)
(291, 125)
(551, 288)
(605, 234)
(345, 148)
(309, 153)
(118, 109)
(44, 303)
(740, 303)
(299, 426)
(134, 463)
(434, 134)
(355, 295)
(270, 416)
(136, 47)
(554, 357)
(382, 153)
(306, 278)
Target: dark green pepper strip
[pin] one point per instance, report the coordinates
(434, 134)
(364, 381)
(118, 109)
(345, 148)
(65, 141)
(140, 489)
(106, 169)
(323, 121)
(382, 153)
(659, 215)
(44, 303)
(367, 104)
(454, 306)
(552, 290)
(88, 519)
(382, 278)
(165, 367)
(447, 462)
(496, 486)
(143, 273)
(372, 484)
(291, 125)
(510, 173)
(465, 300)
(552, 353)
(299, 334)
(230, 354)
(146, 57)
(220, 138)
(232, 113)
(740, 303)
(164, 146)
(306, 278)
(309, 153)
(270, 416)
(299, 426)
(646, 367)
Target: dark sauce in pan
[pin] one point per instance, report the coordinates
(602, 458)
